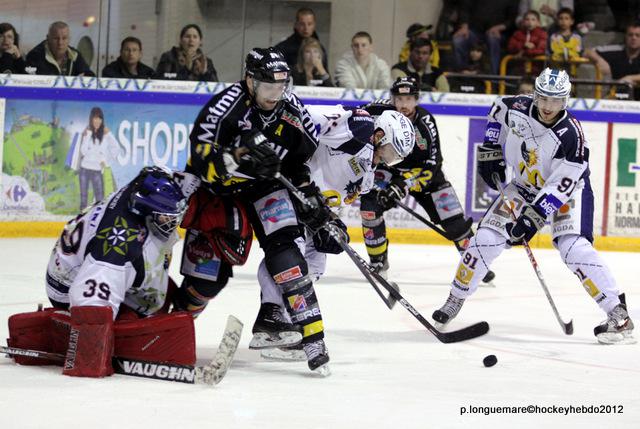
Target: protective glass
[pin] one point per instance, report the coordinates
(272, 91)
(554, 104)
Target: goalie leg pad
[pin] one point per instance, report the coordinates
(32, 331)
(90, 342)
(168, 338)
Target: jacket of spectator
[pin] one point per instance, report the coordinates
(427, 80)
(481, 15)
(40, 60)
(172, 66)
(349, 74)
(565, 48)
(119, 69)
(537, 36)
(300, 78)
(11, 64)
(290, 46)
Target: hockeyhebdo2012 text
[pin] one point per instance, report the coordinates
(548, 409)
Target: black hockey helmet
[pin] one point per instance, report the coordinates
(267, 65)
(405, 86)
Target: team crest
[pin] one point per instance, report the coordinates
(117, 237)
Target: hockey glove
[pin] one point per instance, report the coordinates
(491, 160)
(324, 242)
(259, 160)
(526, 226)
(315, 215)
(394, 192)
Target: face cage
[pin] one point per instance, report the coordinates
(272, 91)
(165, 223)
(552, 103)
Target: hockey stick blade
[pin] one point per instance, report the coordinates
(209, 374)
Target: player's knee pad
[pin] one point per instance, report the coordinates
(370, 211)
(475, 261)
(284, 260)
(457, 229)
(90, 342)
(302, 305)
(35, 331)
(158, 338)
(195, 293)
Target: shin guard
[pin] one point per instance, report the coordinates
(90, 342)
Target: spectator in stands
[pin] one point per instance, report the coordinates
(530, 40)
(565, 44)
(11, 60)
(187, 61)
(477, 62)
(54, 56)
(621, 62)
(417, 66)
(361, 68)
(526, 85)
(487, 20)
(309, 69)
(128, 65)
(304, 28)
(547, 9)
(420, 31)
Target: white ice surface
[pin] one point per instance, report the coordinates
(388, 371)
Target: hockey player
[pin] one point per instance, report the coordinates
(423, 170)
(546, 149)
(112, 261)
(243, 137)
(352, 144)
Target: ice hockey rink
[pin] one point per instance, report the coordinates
(387, 369)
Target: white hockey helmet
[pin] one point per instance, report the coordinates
(399, 136)
(553, 84)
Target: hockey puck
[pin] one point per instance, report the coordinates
(490, 360)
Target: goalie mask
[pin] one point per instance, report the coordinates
(271, 76)
(398, 139)
(551, 93)
(159, 199)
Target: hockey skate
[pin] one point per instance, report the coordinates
(380, 265)
(272, 329)
(449, 310)
(285, 354)
(317, 357)
(617, 329)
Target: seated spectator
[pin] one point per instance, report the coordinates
(304, 28)
(187, 61)
(548, 10)
(621, 62)
(361, 68)
(419, 31)
(526, 85)
(54, 56)
(417, 66)
(11, 60)
(531, 39)
(310, 70)
(128, 65)
(565, 44)
(484, 20)
(478, 62)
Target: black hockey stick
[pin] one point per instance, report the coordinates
(209, 374)
(423, 219)
(567, 328)
(473, 331)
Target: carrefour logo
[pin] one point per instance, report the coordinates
(16, 193)
(628, 164)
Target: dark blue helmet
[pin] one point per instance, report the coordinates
(159, 199)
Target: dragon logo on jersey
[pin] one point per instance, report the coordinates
(353, 190)
(529, 159)
(117, 237)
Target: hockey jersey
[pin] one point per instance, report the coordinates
(549, 163)
(342, 166)
(108, 256)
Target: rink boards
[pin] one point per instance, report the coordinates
(42, 117)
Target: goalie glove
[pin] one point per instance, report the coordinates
(394, 192)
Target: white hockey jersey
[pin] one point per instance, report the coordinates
(549, 163)
(342, 166)
(108, 256)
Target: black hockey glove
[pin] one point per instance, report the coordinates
(491, 160)
(324, 242)
(394, 192)
(260, 160)
(527, 225)
(318, 214)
